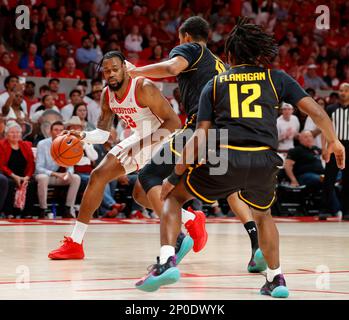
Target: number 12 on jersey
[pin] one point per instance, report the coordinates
(248, 110)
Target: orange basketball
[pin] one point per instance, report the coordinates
(66, 150)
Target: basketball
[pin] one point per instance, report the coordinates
(66, 150)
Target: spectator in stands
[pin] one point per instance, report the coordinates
(303, 164)
(86, 53)
(31, 61)
(312, 80)
(94, 107)
(311, 92)
(80, 111)
(67, 110)
(29, 95)
(340, 118)
(48, 103)
(133, 41)
(157, 55)
(48, 70)
(11, 84)
(310, 125)
(331, 78)
(148, 51)
(76, 36)
(70, 71)
(82, 87)
(49, 173)
(9, 64)
(43, 91)
(60, 100)
(333, 98)
(17, 164)
(288, 128)
(12, 110)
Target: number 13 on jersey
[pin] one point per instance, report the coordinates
(248, 110)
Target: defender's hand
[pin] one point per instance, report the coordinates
(339, 152)
(131, 69)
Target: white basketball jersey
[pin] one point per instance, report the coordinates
(140, 119)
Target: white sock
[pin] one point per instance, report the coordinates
(187, 215)
(165, 253)
(272, 273)
(79, 232)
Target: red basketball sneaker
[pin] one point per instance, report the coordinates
(196, 229)
(68, 250)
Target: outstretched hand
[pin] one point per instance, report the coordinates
(338, 150)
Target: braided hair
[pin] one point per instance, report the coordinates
(109, 55)
(249, 43)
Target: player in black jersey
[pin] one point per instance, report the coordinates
(194, 65)
(244, 101)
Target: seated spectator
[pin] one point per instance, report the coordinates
(333, 98)
(148, 51)
(86, 53)
(331, 78)
(49, 173)
(9, 64)
(70, 71)
(82, 86)
(75, 36)
(303, 164)
(11, 84)
(311, 79)
(94, 107)
(67, 110)
(48, 103)
(17, 164)
(43, 91)
(29, 95)
(157, 55)
(311, 126)
(288, 128)
(133, 41)
(48, 70)
(60, 100)
(80, 111)
(31, 61)
(12, 110)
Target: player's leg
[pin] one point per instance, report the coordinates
(269, 243)
(165, 272)
(109, 169)
(244, 213)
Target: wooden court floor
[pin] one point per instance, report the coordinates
(314, 256)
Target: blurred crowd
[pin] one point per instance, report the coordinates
(67, 39)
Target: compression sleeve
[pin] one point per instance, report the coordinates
(97, 136)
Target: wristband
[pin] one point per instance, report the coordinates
(174, 178)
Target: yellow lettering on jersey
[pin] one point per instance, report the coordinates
(251, 76)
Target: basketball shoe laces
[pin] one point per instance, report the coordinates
(66, 241)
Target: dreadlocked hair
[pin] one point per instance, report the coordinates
(249, 43)
(109, 55)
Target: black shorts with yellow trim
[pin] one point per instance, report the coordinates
(252, 172)
(153, 173)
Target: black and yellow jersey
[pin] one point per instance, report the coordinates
(203, 66)
(245, 100)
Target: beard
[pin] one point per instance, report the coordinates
(116, 86)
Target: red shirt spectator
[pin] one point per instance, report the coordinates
(9, 64)
(70, 71)
(74, 36)
(135, 19)
(59, 98)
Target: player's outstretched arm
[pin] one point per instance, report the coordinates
(104, 124)
(323, 121)
(169, 68)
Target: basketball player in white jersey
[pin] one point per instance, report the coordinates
(140, 104)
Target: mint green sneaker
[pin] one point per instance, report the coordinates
(160, 275)
(257, 262)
